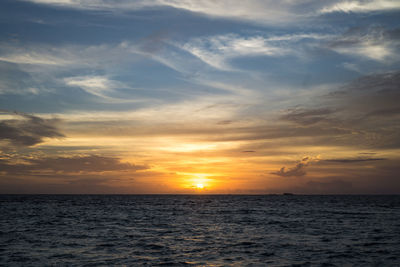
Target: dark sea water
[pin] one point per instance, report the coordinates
(151, 230)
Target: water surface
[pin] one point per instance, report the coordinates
(181, 230)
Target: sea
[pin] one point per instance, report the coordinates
(199, 230)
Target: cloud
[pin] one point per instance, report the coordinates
(371, 101)
(54, 58)
(352, 67)
(27, 130)
(81, 66)
(362, 6)
(76, 174)
(258, 11)
(264, 11)
(370, 95)
(34, 58)
(217, 51)
(53, 62)
(363, 113)
(352, 160)
(96, 4)
(267, 12)
(384, 112)
(225, 122)
(375, 43)
(307, 116)
(65, 55)
(100, 86)
(92, 84)
(297, 171)
(74, 165)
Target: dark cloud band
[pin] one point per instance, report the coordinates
(28, 130)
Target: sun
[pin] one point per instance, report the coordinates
(200, 186)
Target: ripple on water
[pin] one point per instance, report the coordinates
(199, 230)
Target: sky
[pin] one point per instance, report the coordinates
(200, 97)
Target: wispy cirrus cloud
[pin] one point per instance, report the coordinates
(78, 66)
(100, 86)
(215, 51)
(374, 43)
(190, 58)
(361, 114)
(96, 4)
(253, 10)
(66, 55)
(35, 58)
(362, 6)
(93, 84)
(257, 11)
(218, 51)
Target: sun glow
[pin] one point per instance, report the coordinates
(196, 182)
(200, 186)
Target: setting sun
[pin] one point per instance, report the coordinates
(200, 186)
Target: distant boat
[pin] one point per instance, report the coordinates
(288, 194)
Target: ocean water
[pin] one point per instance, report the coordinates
(205, 230)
